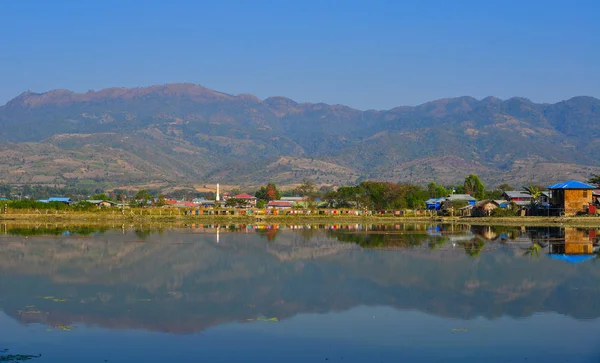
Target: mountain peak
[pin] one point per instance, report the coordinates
(61, 96)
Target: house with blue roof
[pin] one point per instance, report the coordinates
(572, 197)
(434, 203)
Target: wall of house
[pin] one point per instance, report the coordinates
(578, 241)
(576, 200)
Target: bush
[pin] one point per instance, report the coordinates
(504, 212)
(32, 204)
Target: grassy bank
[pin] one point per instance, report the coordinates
(165, 216)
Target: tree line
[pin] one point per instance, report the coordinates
(372, 195)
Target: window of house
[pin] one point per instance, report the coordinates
(585, 193)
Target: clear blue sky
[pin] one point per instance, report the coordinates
(366, 54)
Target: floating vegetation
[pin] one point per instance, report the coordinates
(273, 320)
(21, 312)
(53, 298)
(464, 330)
(10, 358)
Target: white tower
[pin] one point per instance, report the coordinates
(217, 197)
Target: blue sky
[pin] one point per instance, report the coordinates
(366, 54)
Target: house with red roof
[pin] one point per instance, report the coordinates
(280, 204)
(249, 199)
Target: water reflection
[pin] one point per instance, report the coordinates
(186, 280)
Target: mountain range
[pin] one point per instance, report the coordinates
(185, 133)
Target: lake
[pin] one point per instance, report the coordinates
(318, 293)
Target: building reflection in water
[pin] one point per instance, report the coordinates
(575, 244)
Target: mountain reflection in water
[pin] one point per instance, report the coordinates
(189, 279)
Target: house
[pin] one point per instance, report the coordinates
(572, 197)
(434, 203)
(280, 204)
(102, 203)
(520, 198)
(461, 198)
(454, 199)
(204, 202)
(485, 207)
(249, 199)
(466, 211)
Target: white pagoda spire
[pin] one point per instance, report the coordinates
(217, 197)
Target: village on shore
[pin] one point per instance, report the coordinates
(568, 198)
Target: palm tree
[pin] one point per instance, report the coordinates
(532, 250)
(535, 193)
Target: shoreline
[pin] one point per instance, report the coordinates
(106, 218)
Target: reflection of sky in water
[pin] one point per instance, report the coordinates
(362, 334)
(340, 296)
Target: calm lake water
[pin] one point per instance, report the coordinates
(358, 293)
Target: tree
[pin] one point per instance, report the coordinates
(504, 187)
(160, 202)
(142, 197)
(595, 180)
(236, 203)
(235, 191)
(534, 191)
(436, 191)
(474, 186)
(272, 192)
(268, 192)
(101, 196)
(306, 189)
(261, 203)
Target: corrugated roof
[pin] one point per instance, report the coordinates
(279, 203)
(59, 199)
(572, 184)
(517, 194)
(244, 196)
(460, 197)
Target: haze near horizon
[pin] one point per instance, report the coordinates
(367, 55)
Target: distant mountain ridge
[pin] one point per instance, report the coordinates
(189, 133)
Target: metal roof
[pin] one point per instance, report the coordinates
(517, 194)
(59, 199)
(572, 184)
(244, 196)
(452, 197)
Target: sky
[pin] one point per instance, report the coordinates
(370, 54)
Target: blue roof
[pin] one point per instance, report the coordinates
(572, 184)
(572, 258)
(57, 199)
(434, 200)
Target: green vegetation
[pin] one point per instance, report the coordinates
(595, 180)
(268, 192)
(474, 186)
